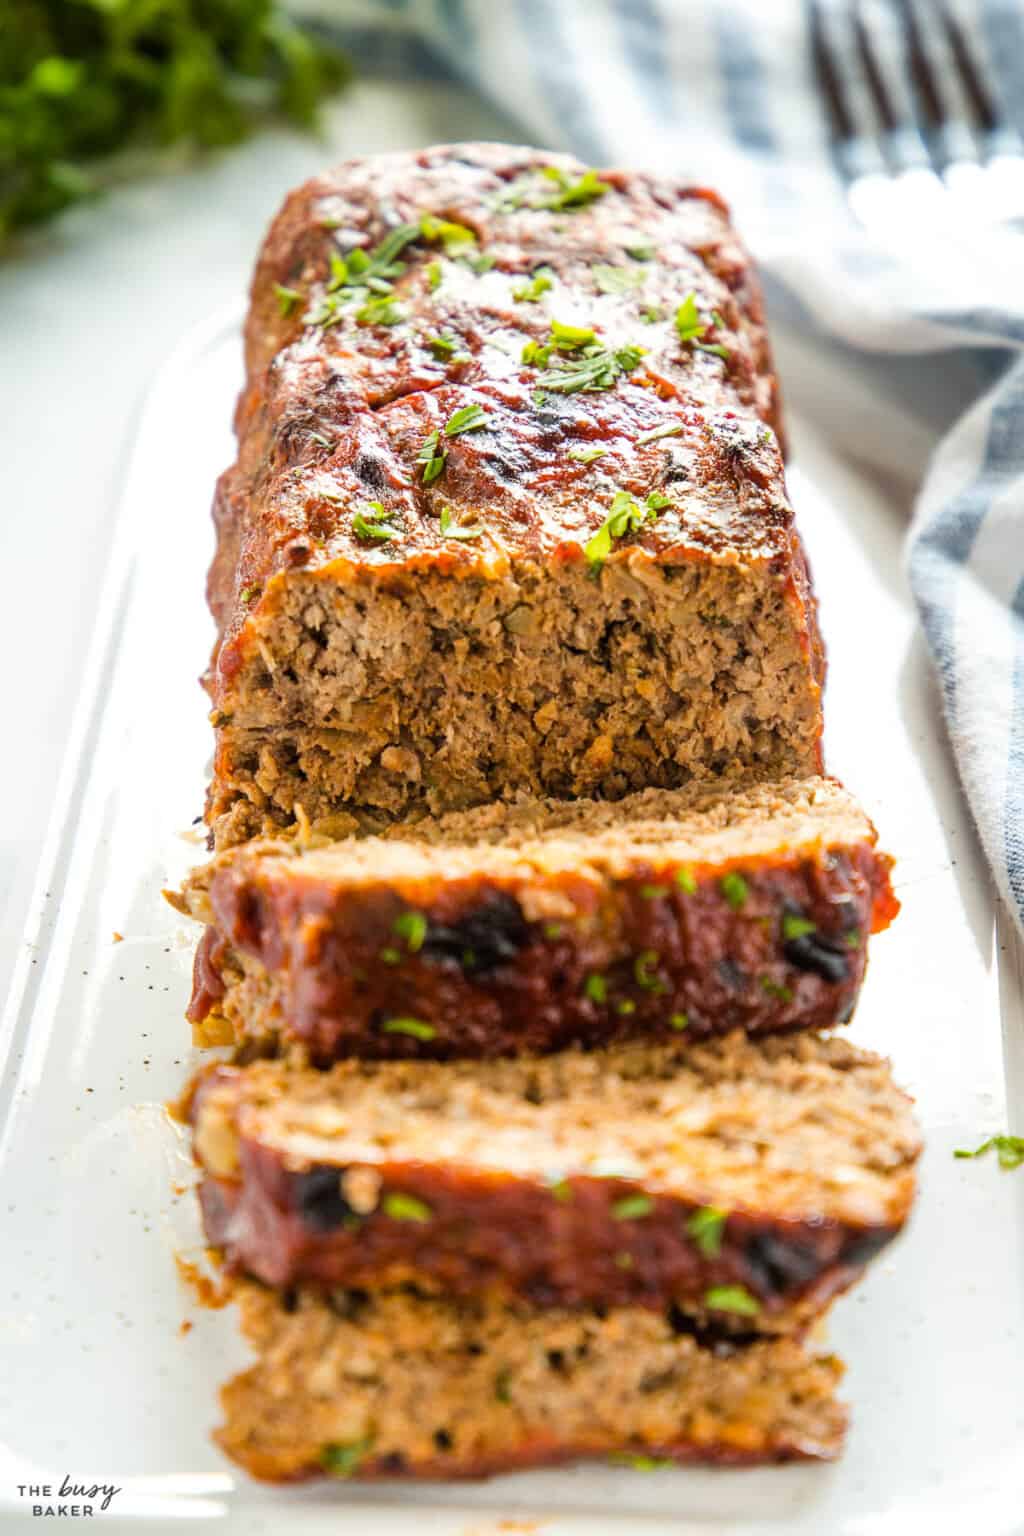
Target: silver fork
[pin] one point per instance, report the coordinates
(919, 133)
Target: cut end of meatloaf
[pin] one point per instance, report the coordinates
(529, 926)
(746, 1183)
(413, 614)
(403, 1385)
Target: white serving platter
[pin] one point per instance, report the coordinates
(98, 1380)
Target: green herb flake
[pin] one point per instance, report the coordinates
(412, 927)
(640, 250)
(854, 939)
(552, 930)
(541, 282)
(617, 279)
(586, 455)
(454, 237)
(625, 1007)
(343, 1460)
(569, 193)
(402, 1207)
(434, 274)
(653, 892)
(632, 1207)
(643, 971)
(414, 1027)
(250, 594)
(686, 880)
(445, 348)
(735, 889)
(287, 299)
(651, 314)
(626, 516)
(641, 1463)
(569, 338)
(796, 927)
(562, 1190)
(691, 327)
(669, 429)
(372, 527)
(776, 989)
(391, 956)
(585, 363)
(432, 457)
(450, 529)
(380, 311)
(469, 419)
(679, 1020)
(596, 988)
(706, 1227)
(731, 1298)
(1009, 1150)
(503, 1385)
(657, 501)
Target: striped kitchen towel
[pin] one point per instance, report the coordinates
(725, 90)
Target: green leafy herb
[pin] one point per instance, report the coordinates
(445, 348)
(432, 457)
(401, 1207)
(552, 930)
(569, 338)
(412, 927)
(343, 1460)
(562, 1190)
(469, 419)
(651, 314)
(644, 971)
(380, 311)
(776, 989)
(641, 1463)
(686, 880)
(571, 194)
(1009, 1149)
(670, 429)
(679, 1020)
(625, 516)
(454, 237)
(734, 888)
(478, 264)
(632, 1207)
(596, 988)
(434, 274)
(529, 293)
(640, 250)
(853, 939)
(250, 594)
(617, 279)
(653, 892)
(453, 530)
(367, 528)
(706, 1226)
(731, 1298)
(414, 1027)
(390, 956)
(586, 455)
(657, 501)
(625, 1006)
(795, 927)
(287, 298)
(691, 327)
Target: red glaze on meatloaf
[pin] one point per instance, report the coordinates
(685, 911)
(462, 364)
(746, 1184)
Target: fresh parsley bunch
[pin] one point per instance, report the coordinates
(80, 79)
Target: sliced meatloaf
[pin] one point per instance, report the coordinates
(530, 926)
(399, 1384)
(508, 512)
(745, 1183)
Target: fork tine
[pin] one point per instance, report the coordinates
(943, 105)
(854, 146)
(883, 47)
(1001, 137)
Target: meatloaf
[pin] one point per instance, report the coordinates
(399, 1384)
(533, 925)
(744, 1182)
(508, 512)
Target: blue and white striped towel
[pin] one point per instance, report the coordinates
(723, 91)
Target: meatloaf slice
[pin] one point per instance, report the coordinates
(530, 926)
(405, 1385)
(508, 512)
(745, 1183)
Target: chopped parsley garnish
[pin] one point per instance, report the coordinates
(586, 364)
(432, 457)
(632, 1207)
(625, 1007)
(453, 530)
(321, 440)
(596, 988)
(691, 327)
(529, 190)
(390, 956)
(644, 967)
(371, 527)
(679, 1020)
(434, 274)
(669, 429)
(380, 311)
(250, 594)
(734, 888)
(651, 314)
(287, 298)
(445, 348)
(794, 926)
(706, 1226)
(731, 1298)
(406, 1208)
(469, 419)
(414, 1027)
(343, 1460)
(412, 927)
(361, 273)
(686, 880)
(569, 338)
(657, 501)
(586, 455)
(626, 516)
(529, 293)
(454, 237)
(776, 989)
(640, 250)
(1009, 1150)
(562, 1190)
(478, 264)
(641, 1463)
(853, 939)
(617, 279)
(653, 892)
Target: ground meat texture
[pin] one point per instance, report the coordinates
(745, 1183)
(421, 671)
(403, 1385)
(529, 927)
